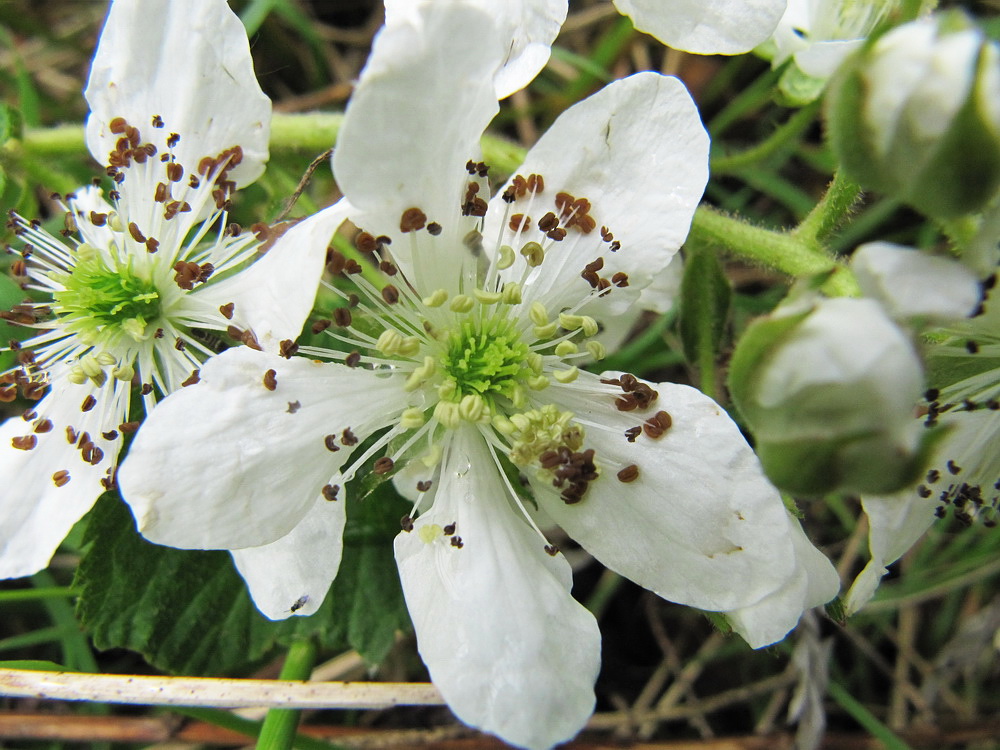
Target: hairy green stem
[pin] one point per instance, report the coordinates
(781, 251)
(278, 731)
(841, 196)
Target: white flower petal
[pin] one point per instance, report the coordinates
(707, 27)
(967, 454)
(701, 525)
(274, 296)
(187, 61)
(429, 76)
(912, 285)
(638, 152)
(531, 26)
(511, 651)
(814, 582)
(35, 513)
(228, 463)
(293, 574)
(822, 59)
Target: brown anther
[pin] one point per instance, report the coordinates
(595, 265)
(626, 402)
(61, 477)
(330, 492)
(606, 234)
(342, 317)
(152, 245)
(535, 183)
(180, 344)
(44, 425)
(611, 381)
(615, 246)
(388, 268)
(450, 528)
(655, 426)
(71, 436)
(146, 389)
(206, 165)
(95, 455)
(320, 325)
(250, 340)
(287, 348)
(353, 266)
(128, 427)
(412, 220)
(632, 433)
(406, 523)
(424, 485)
(133, 229)
(390, 294)
(383, 465)
(193, 378)
(353, 359)
(175, 172)
(564, 202)
(456, 541)
(365, 242)
(33, 391)
(591, 278)
(629, 474)
(475, 207)
(161, 193)
(110, 435)
(271, 380)
(348, 438)
(434, 229)
(519, 222)
(88, 403)
(157, 121)
(628, 382)
(620, 279)
(551, 550)
(261, 231)
(118, 125)
(8, 393)
(24, 442)
(19, 268)
(548, 222)
(227, 310)
(330, 441)
(98, 220)
(558, 234)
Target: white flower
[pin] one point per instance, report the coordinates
(179, 119)
(460, 370)
(819, 34)
(964, 476)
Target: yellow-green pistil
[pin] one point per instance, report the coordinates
(486, 358)
(96, 296)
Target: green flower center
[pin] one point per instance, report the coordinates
(102, 296)
(486, 358)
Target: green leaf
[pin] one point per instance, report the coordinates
(36, 665)
(705, 298)
(189, 611)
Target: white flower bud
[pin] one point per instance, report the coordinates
(916, 115)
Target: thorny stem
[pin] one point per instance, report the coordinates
(313, 133)
(278, 730)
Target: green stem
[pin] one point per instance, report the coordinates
(778, 250)
(753, 96)
(841, 196)
(278, 731)
(783, 137)
(47, 592)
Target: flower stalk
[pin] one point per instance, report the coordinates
(278, 731)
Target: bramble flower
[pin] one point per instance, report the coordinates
(964, 476)
(179, 120)
(457, 374)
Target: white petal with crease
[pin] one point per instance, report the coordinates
(708, 27)
(293, 574)
(275, 295)
(35, 514)
(701, 525)
(189, 62)
(510, 650)
(228, 463)
(638, 152)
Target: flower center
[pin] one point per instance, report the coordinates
(485, 358)
(100, 296)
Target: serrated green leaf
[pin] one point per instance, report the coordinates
(189, 611)
(705, 297)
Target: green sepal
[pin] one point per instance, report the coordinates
(836, 611)
(865, 464)
(705, 300)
